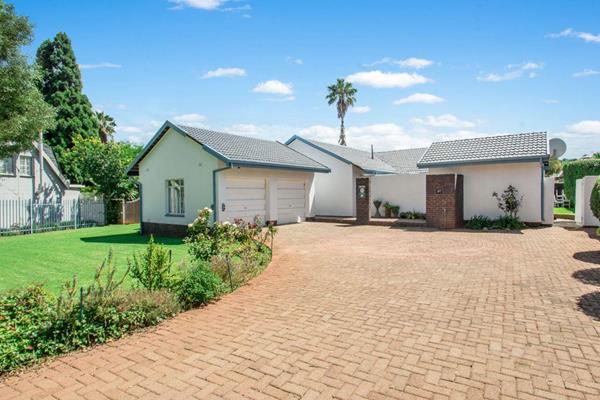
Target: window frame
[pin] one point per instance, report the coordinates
(30, 174)
(170, 209)
(14, 169)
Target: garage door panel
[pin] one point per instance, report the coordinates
(245, 193)
(250, 205)
(290, 201)
(245, 199)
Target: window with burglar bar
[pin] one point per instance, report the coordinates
(25, 165)
(175, 197)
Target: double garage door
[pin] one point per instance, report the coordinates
(246, 199)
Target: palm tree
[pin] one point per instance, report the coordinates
(344, 94)
(107, 126)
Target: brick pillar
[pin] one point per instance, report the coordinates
(444, 201)
(363, 201)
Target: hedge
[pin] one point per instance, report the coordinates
(576, 170)
(595, 199)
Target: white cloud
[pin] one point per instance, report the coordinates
(200, 4)
(587, 127)
(99, 65)
(192, 119)
(551, 101)
(443, 121)
(411, 62)
(274, 87)
(419, 98)
(378, 79)
(360, 109)
(512, 71)
(129, 129)
(384, 136)
(585, 72)
(585, 36)
(292, 60)
(224, 73)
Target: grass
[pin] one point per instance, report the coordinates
(565, 213)
(54, 257)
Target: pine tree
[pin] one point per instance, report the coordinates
(61, 85)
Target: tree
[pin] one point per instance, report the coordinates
(103, 167)
(23, 112)
(554, 166)
(61, 86)
(343, 94)
(106, 125)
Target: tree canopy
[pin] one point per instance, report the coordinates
(344, 95)
(60, 83)
(23, 112)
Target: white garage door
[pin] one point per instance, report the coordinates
(244, 199)
(291, 197)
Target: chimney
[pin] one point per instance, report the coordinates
(372, 156)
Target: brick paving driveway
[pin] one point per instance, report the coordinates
(368, 313)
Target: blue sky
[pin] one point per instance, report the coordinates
(426, 70)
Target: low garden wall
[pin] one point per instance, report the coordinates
(583, 193)
(406, 191)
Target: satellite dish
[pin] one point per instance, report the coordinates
(557, 146)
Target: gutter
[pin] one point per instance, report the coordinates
(214, 190)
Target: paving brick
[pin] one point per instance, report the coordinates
(366, 312)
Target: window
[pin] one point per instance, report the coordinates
(7, 166)
(25, 165)
(175, 197)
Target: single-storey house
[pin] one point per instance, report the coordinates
(487, 165)
(27, 176)
(183, 169)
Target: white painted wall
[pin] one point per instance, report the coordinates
(20, 187)
(481, 180)
(583, 193)
(549, 200)
(405, 190)
(272, 177)
(334, 192)
(176, 156)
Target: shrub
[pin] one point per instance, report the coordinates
(152, 269)
(507, 222)
(198, 286)
(24, 313)
(142, 308)
(412, 215)
(574, 170)
(479, 222)
(509, 201)
(595, 199)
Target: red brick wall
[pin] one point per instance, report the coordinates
(444, 201)
(363, 201)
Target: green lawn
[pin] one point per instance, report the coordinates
(562, 212)
(53, 257)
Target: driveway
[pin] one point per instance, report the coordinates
(369, 313)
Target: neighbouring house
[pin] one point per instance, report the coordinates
(27, 176)
(401, 177)
(183, 169)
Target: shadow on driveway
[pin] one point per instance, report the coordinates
(592, 257)
(589, 304)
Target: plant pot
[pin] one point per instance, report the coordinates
(388, 213)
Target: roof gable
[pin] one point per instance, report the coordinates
(491, 149)
(360, 158)
(237, 150)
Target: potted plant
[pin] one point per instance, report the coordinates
(395, 211)
(388, 209)
(377, 204)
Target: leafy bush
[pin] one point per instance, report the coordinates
(152, 269)
(509, 201)
(595, 199)
(507, 222)
(479, 222)
(24, 313)
(412, 215)
(574, 170)
(199, 285)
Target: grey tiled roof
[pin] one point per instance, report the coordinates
(403, 161)
(247, 150)
(360, 158)
(486, 149)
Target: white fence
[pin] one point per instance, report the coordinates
(26, 216)
(583, 210)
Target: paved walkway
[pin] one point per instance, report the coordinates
(369, 313)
